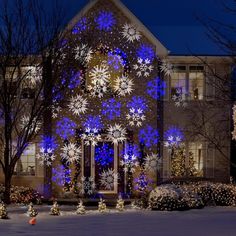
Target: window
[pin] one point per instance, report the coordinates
(196, 157)
(187, 81)
(26, 164)
(196, 80)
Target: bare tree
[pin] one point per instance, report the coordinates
(30, 39)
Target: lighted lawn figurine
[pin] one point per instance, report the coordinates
(120, 205)
(102, 206)
(55, 211)
(31, 211)
(3, 211)
(80, 208)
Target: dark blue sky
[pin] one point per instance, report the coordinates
(173, 22)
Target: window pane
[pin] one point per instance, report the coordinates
(196, 158)
(196, 80)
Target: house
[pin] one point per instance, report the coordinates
(134, 116)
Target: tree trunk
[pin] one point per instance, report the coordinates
(7, 185)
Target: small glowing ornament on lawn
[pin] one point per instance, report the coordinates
(120, 205)
(3, 211)
(102, 206)
(80, 208)
(55, 211)
(31, 211)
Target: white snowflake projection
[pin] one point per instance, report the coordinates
(152, 163)
(179, 98)
(131, 33)
(123, 85)
(56, 109)
(33, 126)
(33, 75)
(91, 136)
(108, 178)
(116, 133)
(83, 53)
(97, 90)
(87, 185)
(166, 68)
(46, 156)
(71, 153)
(100, 75)
(143, 67)
(78, 105)
(135, 117)
(129, 163)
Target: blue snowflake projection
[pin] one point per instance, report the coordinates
(61, 175)
(48, 142)
(137, 103)
(173, 137)
(156, 88)
(105, 20)
(104, 154)
(65, 128)
(72, 80)
(131, 149)
(80, 26)
(93, 122)
(56, 95)
(111, 108)
(146, 52)
(117, 59)
(143, 183)
(149, 136)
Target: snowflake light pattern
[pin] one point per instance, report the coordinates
(115, 61)
(156, 88)
(71, 79)
(48, 142)
(93, 122)
(111, 109)
(129, 163)
(71, 153)
(179, 98)
(100, 75)
(143, 67)
(91, 136)
(59, 174)
(146, 52)
(130, 32)
(135, 117)
(123, 85)
(143, 183)
(108, 178)
(80, 26)
(33, 75)
(46, 156)
(65, 128)
(137, 103)
(104, 154)
(166, 68)
(87, 185)
(152, 163)
(97, 90)
(116, 133)
(149, 136)
(33, 126)
(83, 53)
(105, 20)
(78, 105)
(173, 137)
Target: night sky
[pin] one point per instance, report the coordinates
(172, 22)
